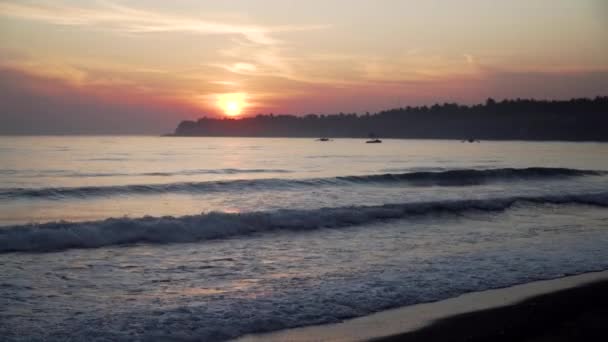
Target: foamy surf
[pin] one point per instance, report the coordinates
(58, 236)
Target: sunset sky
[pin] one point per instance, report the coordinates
(142, 66)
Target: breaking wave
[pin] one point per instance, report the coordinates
(464, 177)
(160, 230)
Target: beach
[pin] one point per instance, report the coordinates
(304, 171)
(157, 238)
(576, 314)
(572, 308)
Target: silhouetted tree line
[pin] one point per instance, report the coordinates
(576, 119)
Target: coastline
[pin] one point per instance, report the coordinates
(363, 137)
(521, 312)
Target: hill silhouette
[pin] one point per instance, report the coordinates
(580, 119)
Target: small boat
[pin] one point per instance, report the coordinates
(323, 139)
(373, 139)
(470, 140)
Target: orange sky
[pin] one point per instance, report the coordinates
(140, 67)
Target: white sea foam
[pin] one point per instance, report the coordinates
(116, 231)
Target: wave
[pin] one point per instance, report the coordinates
(464, 177)
(58, 236)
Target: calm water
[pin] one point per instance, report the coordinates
(121, 238)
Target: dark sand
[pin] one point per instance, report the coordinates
(576, 314)
(572, 308)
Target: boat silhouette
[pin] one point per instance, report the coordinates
(373, 139)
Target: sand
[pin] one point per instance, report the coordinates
(565, 309)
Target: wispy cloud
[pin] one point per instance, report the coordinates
(131, 20)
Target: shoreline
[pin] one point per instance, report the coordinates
(173, 135)
(519, 312)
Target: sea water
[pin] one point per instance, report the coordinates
(159, 238)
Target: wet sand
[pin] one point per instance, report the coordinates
(576, 314)
(573, 308)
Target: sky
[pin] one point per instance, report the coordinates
(140, 67)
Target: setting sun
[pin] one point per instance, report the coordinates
(232, 104)
(232, 109)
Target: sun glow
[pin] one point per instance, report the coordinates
(232, 104)
(232, 109)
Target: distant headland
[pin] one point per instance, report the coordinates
(580, 119)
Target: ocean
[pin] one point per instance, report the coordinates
(157, 238)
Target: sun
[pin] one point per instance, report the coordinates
(232, 108)
(232, 104)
